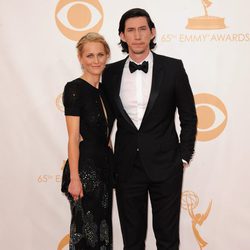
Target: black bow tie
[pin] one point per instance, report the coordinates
(133, 67)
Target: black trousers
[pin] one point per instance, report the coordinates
(132, 201)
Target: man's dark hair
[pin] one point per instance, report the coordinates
(136, 12)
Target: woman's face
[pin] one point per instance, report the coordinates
(93, 58)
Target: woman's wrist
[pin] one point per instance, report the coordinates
(75, 178)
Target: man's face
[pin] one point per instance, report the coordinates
(137, 35)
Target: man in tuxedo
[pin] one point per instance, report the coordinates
(144, 91)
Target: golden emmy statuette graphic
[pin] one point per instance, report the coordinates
(206, 22)
(189, 202)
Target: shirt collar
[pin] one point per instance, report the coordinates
(149, 59)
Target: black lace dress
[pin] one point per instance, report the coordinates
(91, 227)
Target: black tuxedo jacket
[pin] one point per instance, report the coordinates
(160, 148)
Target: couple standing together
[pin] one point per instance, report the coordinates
(142, 92)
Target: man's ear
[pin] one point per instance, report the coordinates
(153, 33)
(122, 37)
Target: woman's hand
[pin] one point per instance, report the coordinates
(75, 189)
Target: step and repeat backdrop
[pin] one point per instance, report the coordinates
(38, 57)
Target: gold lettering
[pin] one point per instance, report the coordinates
(166, 38)
(198, 38)
(58, 178)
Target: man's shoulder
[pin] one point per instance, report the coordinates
(113, 68)
(166, 59)
(116, 65)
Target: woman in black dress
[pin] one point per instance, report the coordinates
(87, 180)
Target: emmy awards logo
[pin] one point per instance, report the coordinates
(189, 202)
(206, 22)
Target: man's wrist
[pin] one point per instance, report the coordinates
(184, 163)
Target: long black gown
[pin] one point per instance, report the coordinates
(91, 227)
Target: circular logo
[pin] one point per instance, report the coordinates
(212, 116)
(189, 200)
(64, 242)
(59, 103)
(76, 18)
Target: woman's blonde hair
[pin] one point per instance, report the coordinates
(92, 37)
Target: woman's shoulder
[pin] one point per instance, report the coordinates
(72, 97)
(74, 84)
(72, 91)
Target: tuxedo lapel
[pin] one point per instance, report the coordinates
(117, 85)
(157, 78)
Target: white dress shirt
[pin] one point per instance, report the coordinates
(135, 90)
